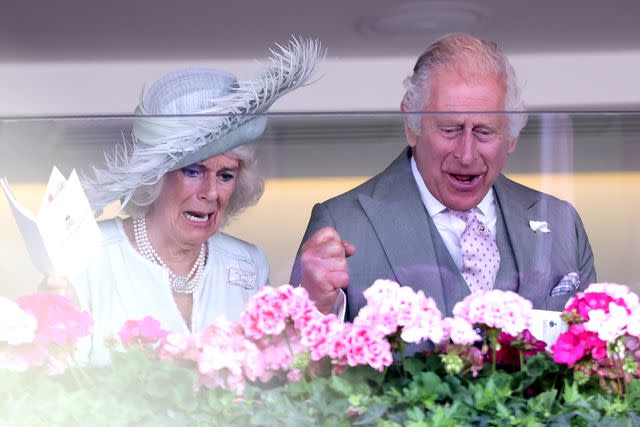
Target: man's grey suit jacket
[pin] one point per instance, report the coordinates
(388, 224)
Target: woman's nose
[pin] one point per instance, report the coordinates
(209, 189)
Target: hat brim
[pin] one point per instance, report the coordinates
(247, 132)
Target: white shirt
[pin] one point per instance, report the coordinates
(450, 226)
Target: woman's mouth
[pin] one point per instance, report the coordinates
(197, 216)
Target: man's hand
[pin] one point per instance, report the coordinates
(323, 264)
(59, 285)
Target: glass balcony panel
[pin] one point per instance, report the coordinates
(591, 159)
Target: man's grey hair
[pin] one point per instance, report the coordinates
(465, 55)
(249, 187)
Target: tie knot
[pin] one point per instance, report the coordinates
(466, 216)
(471, 221)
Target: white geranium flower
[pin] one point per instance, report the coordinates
(16, 325)
(609, 326)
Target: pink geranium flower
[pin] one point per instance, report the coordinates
(366, 347)
(601, 315)
(43, 331)
(584, 303)
(227, 358)
(267, 312)
(460, 331)
(391, 308)
(297, 305)
(320, 334)
(144, 331)
(615, 290)
(603, 310)
(59, 321)
(511, 347)
(294, 375)
(568, 348)
(497, 309)
(180, 348)
(574, 344)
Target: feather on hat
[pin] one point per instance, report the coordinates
(220, 114)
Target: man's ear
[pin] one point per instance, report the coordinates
(512, 145)
(410, 135)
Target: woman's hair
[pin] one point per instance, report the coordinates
(466, 56)
(249, 187)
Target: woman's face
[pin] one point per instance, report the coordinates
(193, 199)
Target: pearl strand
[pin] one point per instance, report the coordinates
(180, 284)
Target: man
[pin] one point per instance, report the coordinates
(418, 220)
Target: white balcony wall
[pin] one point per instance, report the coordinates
(596, 80)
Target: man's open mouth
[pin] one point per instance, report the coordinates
(467, 179)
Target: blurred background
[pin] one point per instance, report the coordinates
(577, 62)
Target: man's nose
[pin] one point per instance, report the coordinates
(466, 149)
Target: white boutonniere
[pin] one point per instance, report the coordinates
(539, 226)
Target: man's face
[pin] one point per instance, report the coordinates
(460, 155)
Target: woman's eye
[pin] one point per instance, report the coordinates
(226, 176)
(191, 172)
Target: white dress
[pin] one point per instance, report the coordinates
(120, 285)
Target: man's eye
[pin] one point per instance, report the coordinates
(483, 134)
(449, 131)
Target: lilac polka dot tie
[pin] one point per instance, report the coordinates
(480, 257)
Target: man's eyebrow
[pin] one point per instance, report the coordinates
(448, 119)
(485, 125)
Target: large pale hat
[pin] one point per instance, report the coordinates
(209, 111)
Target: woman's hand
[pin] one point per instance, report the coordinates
(59, 285)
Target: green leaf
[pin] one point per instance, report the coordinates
(341, 385)
(571, 392)
(543, 403)
(414, 366)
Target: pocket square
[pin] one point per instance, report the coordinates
(539, 226)
(568, 284)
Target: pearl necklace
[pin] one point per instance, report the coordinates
(180, 284)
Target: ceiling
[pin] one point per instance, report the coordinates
(90, 30)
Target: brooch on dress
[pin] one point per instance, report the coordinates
(243, 278)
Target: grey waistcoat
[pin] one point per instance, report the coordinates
(455, 288)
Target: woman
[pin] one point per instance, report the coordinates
(179, 182)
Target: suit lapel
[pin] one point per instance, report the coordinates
(530, 250)
(401, 223)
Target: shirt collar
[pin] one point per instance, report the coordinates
(433, 205)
